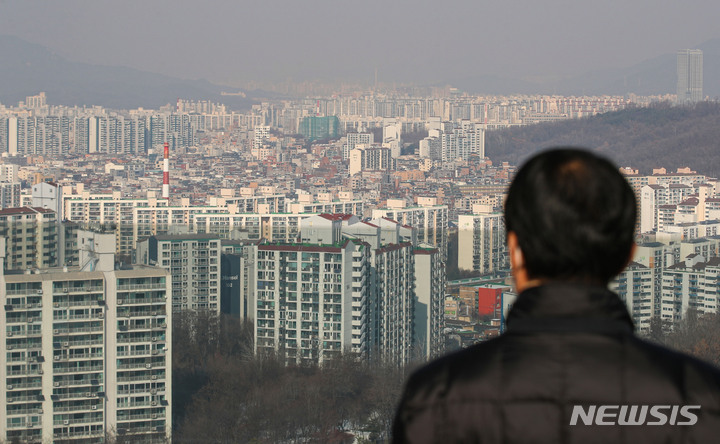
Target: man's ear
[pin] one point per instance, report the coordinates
(633, 248)
(517, 265)
(517, 259)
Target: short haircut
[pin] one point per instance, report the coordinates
(574, 215)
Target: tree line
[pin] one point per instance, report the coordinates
(697, 334)
(661, 135)
(224, 393)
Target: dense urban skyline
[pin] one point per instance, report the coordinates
(152, 250)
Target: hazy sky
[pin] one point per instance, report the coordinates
(407, 41)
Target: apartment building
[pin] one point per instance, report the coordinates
(636, 287)
(193, 261)
(31, 238)
(370, 158)
(392, 313)
(85, 352)
(272, 227)
(311, 300)
(344, 203)
(481, 241)
(429, 313)
(691, 284)
(237, 276)
(250, 200)
(108, 210)
(349, 286)
(9, 194)
(392, 301)
(427, 216)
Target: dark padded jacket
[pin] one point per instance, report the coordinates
(566, 345)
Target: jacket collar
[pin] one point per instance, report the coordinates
(569, 306)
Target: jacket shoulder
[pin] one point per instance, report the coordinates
(691, 376)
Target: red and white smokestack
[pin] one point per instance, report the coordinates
(166, 173)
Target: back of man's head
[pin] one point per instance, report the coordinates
(573, 214)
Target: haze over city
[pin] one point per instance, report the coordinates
(235, 43)
(232, 221)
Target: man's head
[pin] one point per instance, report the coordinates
(570, 215)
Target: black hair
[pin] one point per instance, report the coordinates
(574, 215)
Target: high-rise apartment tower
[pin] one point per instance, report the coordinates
(690, 76)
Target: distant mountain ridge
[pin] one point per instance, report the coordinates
(27, 69)
(654, 76)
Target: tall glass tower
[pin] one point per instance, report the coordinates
(690, 76)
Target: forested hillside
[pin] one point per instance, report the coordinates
(644, 138)
(223, 392)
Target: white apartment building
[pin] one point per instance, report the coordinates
(31, 238)
(9, 172)
(429, 314)
(311, 300)
(427, 216)
(25, 134)
(462, 140)
(134, 219)
(86, 352)
(353, 140)
(431, 146)
(636, 287)
(114, 134)
(193, 261)
(706, 247)
(667, 200)
(690, 230)
(370, 158)
(392, 298)
(344, 203)
(261, 133)
(657, 256)
(692, 284)
(9, 195)
(95, 210)
(250, 200)
(271, 227)
(48, 195)
(350, 286)
(481, 241)
(392, 314)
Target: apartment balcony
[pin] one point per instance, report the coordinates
(138, 405)
(142, 429)
(75, 343)
(78, 330)
(25, 412)
(151, 391)
(149, 286)
(77, 289)
(22, 344)
(77, 356)
(140, 365)
(87, 302)
(142, 353)
(90, 417)
(139, 327)
(142, 301)
(144, 376)
(79, 369)
(24, 399)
